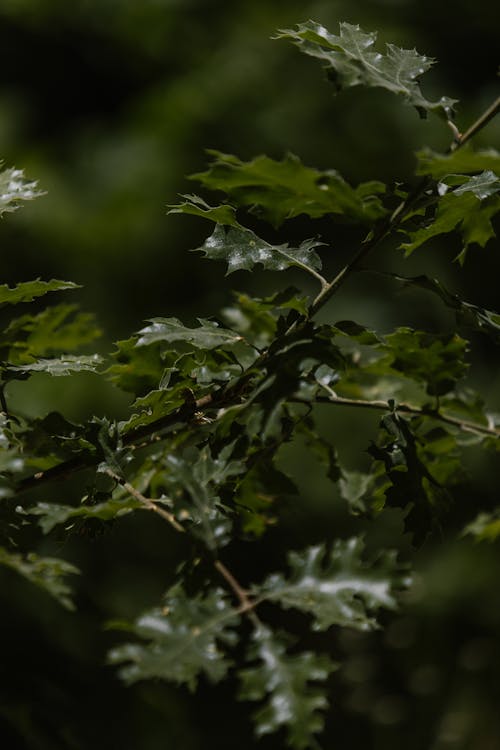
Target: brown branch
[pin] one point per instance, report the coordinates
(146, 501)
(247, 605)
(482, 120)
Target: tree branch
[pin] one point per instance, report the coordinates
(462, 424)
(146, 501)
(394, 220)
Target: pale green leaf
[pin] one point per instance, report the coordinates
(290, 686)
(242, 250)
(485, 527)
(196, 206)
(60, 366)
(52, 514)
(336, 587)
(14, 188)
(170, 330)
(350, 60)
(27, 291)
(183, 639)
(46, 572)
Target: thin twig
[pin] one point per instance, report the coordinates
(462, 424)
(246, 605)
(476, 126)
(146, 501)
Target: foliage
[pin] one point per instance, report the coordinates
(215, 405)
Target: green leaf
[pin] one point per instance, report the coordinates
(52, 514)
(469, 208)
(170, 330)
(438, 360)
(462, 161)
(138, 370)
(336, 587)
(14, 188)
(56, 330)
(467, 314)
(291, 687)
(27, 291)
(485, 527)
(280, 190)
(60, 366)
(242, 250)
(354, 487)
(350, 60)
(153, 406)
(45, 572)
(482, 185)
(195, 479)
(183, 639)
(196, 206)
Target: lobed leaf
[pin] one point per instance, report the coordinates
(56, 330)
(27, 291)
(196, 206)
(336, 587)
(468, 208)
(14, 188)
(462, 161)
(280, 190)
(485, 527)
(242, 250)
(58, 367)
(350, 60)
(53, 514)
(438, 360)
(289, 685)
(170, 330)
(183, 639)
(46, 572)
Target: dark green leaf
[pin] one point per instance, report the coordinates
(467, 314)
(46, 572)
(468, 208)
(336, 587)
(56, 330)
(438, 360)
(461, 161)
(280, 190)
(183, 638)
(289, 685)
(350, 60)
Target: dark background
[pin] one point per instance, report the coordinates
(110, 104)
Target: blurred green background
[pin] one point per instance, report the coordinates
(110, 104)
